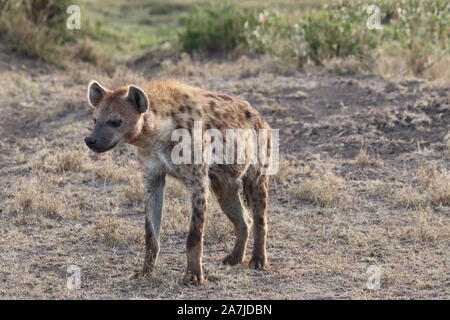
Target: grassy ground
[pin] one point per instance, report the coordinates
(364, 180)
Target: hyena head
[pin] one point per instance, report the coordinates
(118, 115)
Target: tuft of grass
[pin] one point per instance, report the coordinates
(407, 196)
(436, 184)
(30, 199)
(364, 160)
(425, 227)
(115, 232)
(324, 190)
(285, 170)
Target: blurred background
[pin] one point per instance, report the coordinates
(413, 40)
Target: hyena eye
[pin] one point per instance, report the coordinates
(115, 123)
(95, 121)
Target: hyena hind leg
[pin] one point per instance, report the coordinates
(256, 193)
(231, 204)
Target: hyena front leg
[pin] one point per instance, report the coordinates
(154, 194)
(194, 244)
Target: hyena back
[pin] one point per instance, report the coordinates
(146, 119)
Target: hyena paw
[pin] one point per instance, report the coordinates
(141, 273)
(137, 275)
(191, 278)
(232, 260)
(258, 263)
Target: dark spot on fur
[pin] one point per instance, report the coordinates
(210, 95)
(225, 97)
(212, 104)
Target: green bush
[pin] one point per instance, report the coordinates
(331, 32)
(420, 27)
(34, 27)
(335, 31)
(218, 28)
(339, 31)
(266, 32)
(417, 29)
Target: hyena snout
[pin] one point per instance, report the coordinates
(96, 144)
(90, 141)
(99, 143)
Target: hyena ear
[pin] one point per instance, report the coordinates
(95, 93)
(138, 98)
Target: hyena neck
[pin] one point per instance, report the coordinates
(144, 130)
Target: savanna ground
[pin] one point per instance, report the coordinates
(364, 174)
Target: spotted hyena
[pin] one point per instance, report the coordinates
(146, 118)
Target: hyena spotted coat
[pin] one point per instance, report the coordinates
(146, 118)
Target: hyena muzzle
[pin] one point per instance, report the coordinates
(146, 118)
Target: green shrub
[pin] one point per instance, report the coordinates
(218, 28)
(415, 30)
(34, 27)
(339, 31)
(266, 33)
(334, 31)
(421, 27)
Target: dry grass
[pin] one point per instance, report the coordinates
(425, 227)
(447, 145)
(29, 39)
(30, 200)
(436, 183)
(284, 172)
(432, 189)
(115, 232)
(407, 196)
(86, 50)
(242, 67)
(363, 159)
(344, 65)
(133, 192)
(60, 160)
(109, 170)
(394, 65)
(325, 189)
